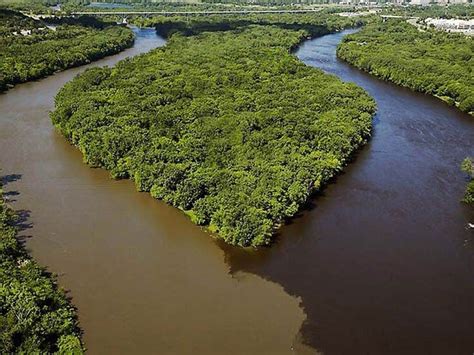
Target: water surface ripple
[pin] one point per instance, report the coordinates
(382, 260)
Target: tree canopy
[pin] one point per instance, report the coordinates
(434, 62)
(31, 50)
(35, 315)
(229, 126)
(468, 167)
(314, 24)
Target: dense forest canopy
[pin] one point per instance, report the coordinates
(227, 126)
(435, 62)
(157, 2)
(13, 21)
(313, 24)
(35, 316)
(31, 49)
(418, 9)
(33, 5)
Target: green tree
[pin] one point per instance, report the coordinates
(226, 125)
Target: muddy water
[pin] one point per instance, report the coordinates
(144, 278)
(382, 260)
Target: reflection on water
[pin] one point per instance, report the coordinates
(144, 278)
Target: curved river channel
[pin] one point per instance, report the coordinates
(379, 263)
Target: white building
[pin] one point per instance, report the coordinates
(452, 25)
(420, 2)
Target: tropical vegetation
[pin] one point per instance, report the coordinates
(36, 317)
(228, 126)
(434, 62)
(32, 49)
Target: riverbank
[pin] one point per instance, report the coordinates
(33, 49)
(467, 167)
(386, 246)
(109, 234)
(431, 62)
(239, 144)
(35, 314)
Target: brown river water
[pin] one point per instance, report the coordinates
(379, 263)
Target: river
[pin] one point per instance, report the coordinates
(380, 262)
(381, 259)
(143, 277)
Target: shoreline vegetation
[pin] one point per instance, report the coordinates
(33, 49)
(35, 315)
(432, 62)
(313, 25)
(467, 166)
(227, 126)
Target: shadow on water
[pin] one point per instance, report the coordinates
(312, 203)
(143, 277)
(9, 195)
(22, 221)
(6, 179)
(379, 259)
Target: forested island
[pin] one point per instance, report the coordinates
(228, 126)
(35, 315)
(434, 62)
(32, 49)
